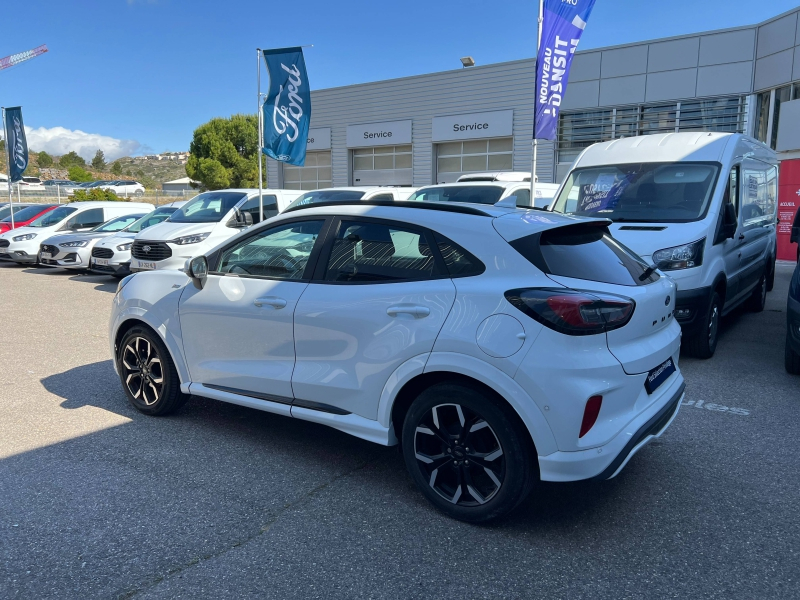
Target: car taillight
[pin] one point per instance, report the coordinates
(573, 312)
(590, 413)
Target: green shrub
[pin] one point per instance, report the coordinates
(81, 195)
(79, 174)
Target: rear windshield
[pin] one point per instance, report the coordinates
(585, 252)
(327, 196)
(208, 207)
(25, 213)
(476, 194)
(644, 192)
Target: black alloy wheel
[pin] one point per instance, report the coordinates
(703, 343)
(147, 373)
(468, 452)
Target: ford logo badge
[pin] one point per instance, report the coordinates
(147, 249)
(666, 302)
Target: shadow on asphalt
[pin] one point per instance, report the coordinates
(104, 283)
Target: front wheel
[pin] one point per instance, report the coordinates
(758, 299)
(148, 374)
(138, 193)
(703, 344)
(469, 455)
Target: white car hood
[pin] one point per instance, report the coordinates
(646, 238)
(163, 232)
(114, 241)
(78, 235)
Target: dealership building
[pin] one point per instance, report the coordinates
(432, 128)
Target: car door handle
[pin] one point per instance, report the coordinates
(273, 301)
(418, 312)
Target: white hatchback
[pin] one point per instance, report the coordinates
(498, 346)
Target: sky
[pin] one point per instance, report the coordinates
(138, 76)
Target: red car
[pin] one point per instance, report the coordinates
(25, 215)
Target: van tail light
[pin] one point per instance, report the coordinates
(590, 413)
(573, 312)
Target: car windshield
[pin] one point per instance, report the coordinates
(208, 207)
(118, 224)
(640, 193)
(25, 213)
(54, 217)
(154, 218)
(476, 194)
(5, 211)
(327, 196)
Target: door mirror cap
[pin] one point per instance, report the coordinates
(729, 221)
(197, 269)
(241, 220)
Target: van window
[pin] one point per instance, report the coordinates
(522, 197)
(53, 217)
(732, 189)
(88, 218)
(643, 192)
(208, 207)
(476, 194)
(270, 207)
(758, 195)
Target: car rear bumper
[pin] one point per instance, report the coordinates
(695, 302)
(606, 461)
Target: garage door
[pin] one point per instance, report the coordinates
(382, 165)
(315, 174)
(454, 159)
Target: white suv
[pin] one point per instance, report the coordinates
(124, 189)
(499, 347)
(504, 189)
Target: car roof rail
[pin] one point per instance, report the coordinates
(451, 207)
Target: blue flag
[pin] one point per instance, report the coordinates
(287, 110)
(16, 145)
(562, 26)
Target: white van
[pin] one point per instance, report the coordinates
(504, 189)
(203, 222)
(343, 194)
(22, 244)
(698, 206)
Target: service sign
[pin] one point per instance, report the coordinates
(390, 133)
(319, 139)
(498, 123)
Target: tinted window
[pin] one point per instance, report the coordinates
(522, 197)
(278, 252)
(23, 214)
(54, 217)
(585, 252)
(364, 252)
(645, 192)
(459, 262)
(5, 211)
(208, 207)
(382, 197)
(270, 208)
(327, 196)
(88, 218)
(476, 194)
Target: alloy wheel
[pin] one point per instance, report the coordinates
(713, 325)
(459, 454)
(143, 371)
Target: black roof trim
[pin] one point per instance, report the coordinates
(442, 206)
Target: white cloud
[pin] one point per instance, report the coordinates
(60, 140)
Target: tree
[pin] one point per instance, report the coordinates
(79, 174)
(116, 168)
(71, 159)
(99, 160)
(224, 153)
(45, 160)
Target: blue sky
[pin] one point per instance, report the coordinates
(150, 71)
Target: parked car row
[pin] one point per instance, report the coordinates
(498, 347)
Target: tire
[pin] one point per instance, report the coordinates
(138, 193)
(474, 485)
(703, 344)
(758, 299)
(792, 358)
(771, 277)
(157, 393)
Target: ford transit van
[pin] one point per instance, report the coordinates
(700, 207)
(203, 222)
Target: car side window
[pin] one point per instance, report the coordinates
(270, 207)
(522, 197)
(382, 197)
(758, 196)
(88, 218)
(732, 189)
(365, 251)
(280, 252)
(459, 262)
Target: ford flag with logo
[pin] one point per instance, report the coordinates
(562, 25)
(287, 110)
(16, 144)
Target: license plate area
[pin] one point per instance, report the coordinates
(47, 255)
(659, 375)
(146, 265)
(101, 261)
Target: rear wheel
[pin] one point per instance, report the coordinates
(468, 455)
(148, 374)
(138, 193)
(758, 299)
(792, 358)
(703, 344)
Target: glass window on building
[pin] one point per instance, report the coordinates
(457, 158)
(762, 116)
(783, 94)
(314, 175)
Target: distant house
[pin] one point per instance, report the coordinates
(178, 185)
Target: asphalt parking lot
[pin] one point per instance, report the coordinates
(220, 501)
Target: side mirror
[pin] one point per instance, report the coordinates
(198, 271)
(729, 221)
(241, 220)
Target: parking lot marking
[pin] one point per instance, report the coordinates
(701, 404)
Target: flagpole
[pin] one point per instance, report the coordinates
(260, 140)
(8, 164)
(535, 141)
